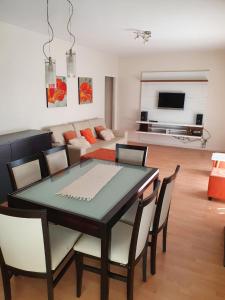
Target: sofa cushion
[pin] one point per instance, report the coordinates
(87, 133)
(57, 132)
(98, 130)
(97, 122)
(103, 144)
(107, 134)
(69, 135)
(80, 142)
(80, 125)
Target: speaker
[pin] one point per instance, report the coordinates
(143, 127)
(199, 119)
(144, 116)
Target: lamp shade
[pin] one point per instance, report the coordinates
(71, 63)
(50, 72)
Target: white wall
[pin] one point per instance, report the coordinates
(23, 98)
(196, 95)
(129, 91)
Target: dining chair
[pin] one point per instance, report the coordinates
(57, 159)
(33, 247)
(161, 216)
(24, 171)
(160, 221)
(131, 154)
(128, 245)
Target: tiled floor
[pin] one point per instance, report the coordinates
(192, 268)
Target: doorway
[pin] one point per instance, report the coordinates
(109, 105)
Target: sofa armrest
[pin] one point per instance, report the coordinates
(56, 144)
(121, 133)
(75, 153)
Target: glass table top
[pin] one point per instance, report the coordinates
(44, 192)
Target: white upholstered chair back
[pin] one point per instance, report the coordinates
(130, 154)
(27, 173)
(57, 161)
(146, 219)
(22, 243)
(166, 202)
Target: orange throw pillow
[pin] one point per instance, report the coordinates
(87, 133)
(69, 135)
(98, 129)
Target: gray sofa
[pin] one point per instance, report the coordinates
(75, 152)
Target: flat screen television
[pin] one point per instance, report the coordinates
(171, 100)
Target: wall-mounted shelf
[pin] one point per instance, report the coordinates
(175, 80)
(171, 129)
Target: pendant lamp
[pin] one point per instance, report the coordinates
(50, 67)
(70, 55)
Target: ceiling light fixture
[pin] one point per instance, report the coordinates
(70, 55)
(50, 70)
(144, 34)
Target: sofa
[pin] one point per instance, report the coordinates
(76, 152)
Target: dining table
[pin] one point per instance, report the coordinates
(95, 215)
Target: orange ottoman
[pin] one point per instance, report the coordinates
(216, 187)
(102, 153)
(219, 164)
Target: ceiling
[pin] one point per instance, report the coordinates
(106, 25)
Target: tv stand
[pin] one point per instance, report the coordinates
(171, 129)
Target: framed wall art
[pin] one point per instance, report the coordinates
(57, 96)
(85, 90)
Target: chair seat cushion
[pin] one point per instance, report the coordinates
(62, 240)
(120, 244)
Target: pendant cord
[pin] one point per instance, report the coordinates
(50, 37)
(69, 24)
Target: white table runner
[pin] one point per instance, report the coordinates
(87, 186)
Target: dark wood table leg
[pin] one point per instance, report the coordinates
(155, 183)
(105, 248)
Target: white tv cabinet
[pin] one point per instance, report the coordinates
(191, 131)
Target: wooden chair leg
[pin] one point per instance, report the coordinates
(6, 283)
(130, 283)
(153, 254)
(79, 269)
(144, 264)
(164, 237)
(50, 287)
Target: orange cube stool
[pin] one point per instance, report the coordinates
(216, 186)
(218, 164)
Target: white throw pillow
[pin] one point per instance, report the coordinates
(80, 142)
(107, 134)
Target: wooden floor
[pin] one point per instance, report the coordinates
(192, 268)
